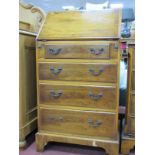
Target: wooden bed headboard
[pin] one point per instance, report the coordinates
(30, 17)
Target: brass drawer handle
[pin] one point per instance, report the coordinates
(54, 51)
(94, 124)
(96, 51)
(96, 73)
(95, 97)
(55, 71)
(54, 118)
(56, 95)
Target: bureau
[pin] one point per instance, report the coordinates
(78, 79)
(128, 137)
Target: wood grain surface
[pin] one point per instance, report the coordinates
(78, 122)
(81, 25)
(81, 95)
(78, 49)
(73, 71)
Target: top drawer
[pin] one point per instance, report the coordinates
(78, 49)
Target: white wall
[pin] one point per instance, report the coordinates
(56, 5)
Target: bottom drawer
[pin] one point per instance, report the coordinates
(78, 122)
(131, 126)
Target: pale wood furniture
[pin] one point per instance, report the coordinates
(29, 22)
(128, 137)
(78, 59)
(30, 17)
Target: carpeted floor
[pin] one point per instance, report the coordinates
(60, 149)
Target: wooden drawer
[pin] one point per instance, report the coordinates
(131, 125)
(78, 95)
(78, 71)
(79, 50)
(132, 105)
(78, 122)
(133, 80)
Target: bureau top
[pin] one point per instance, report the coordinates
(70, 25)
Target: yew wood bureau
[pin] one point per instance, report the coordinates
(78, 79)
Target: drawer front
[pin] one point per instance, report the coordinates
(79, 50)
(132, 105)
(78, 122)
(133, 80)
(132, 125)
(78, 72)
(78, 96)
